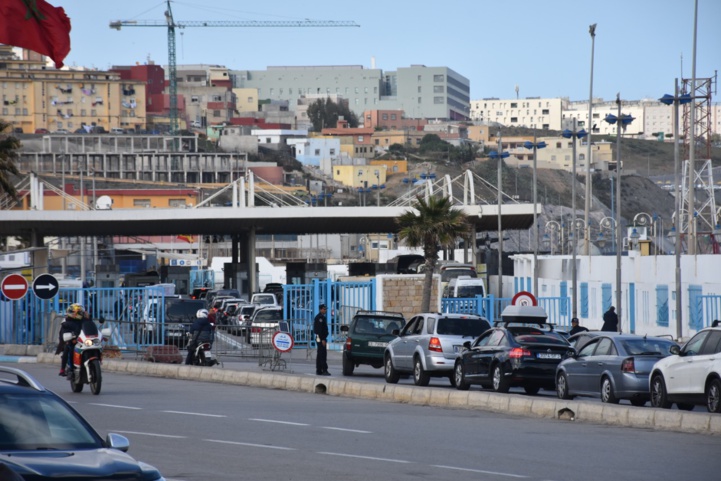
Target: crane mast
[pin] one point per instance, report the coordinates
(171, 25)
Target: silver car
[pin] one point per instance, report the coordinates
(428, 344)
(612, 366)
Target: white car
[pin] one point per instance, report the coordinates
(691, 375)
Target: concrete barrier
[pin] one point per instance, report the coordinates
(546, 408)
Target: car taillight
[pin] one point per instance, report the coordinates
(435, 345)
(347, 343)
(518, 352)
(255, 329)
(628, 365)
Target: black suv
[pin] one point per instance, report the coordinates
(179, 315)
(42, 437)
(368, 335)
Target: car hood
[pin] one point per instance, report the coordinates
(95, 464)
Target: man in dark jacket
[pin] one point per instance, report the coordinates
(610, 320)
(72, 324)
(320, 328)
(200, 331)
(575, 327)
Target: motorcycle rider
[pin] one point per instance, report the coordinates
(73, 323)
(200, 331)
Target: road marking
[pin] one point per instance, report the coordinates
(116, 406)
(151, 434)
(480, 471)
(249, 444)
(347, 430)
(277, 422)
(372, 458)
(197, 414)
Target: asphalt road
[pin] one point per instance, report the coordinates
(201, 431)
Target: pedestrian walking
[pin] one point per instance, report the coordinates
(610, 320)
(575, 327)
(320, 328)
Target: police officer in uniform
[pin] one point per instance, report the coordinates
(320, 328)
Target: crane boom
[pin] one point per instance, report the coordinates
(171, 25)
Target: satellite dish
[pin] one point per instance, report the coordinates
(104, 202)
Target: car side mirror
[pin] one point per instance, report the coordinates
(116, 441)
(675, 350)
(570, 354)
(344, 328)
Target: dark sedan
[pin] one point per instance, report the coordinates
(613, 367)
(512, 355)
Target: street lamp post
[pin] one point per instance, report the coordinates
(677, 100)
(587, 205)
(535, 146)
(568, 134)
(500, 155)
(621, 121)
(553, 227)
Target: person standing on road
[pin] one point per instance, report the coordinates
(320, 328)
(575, 328)
(610, 320)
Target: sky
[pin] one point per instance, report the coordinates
(543, 47)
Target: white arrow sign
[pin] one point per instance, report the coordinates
(48, 287)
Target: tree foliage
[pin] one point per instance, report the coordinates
(324, 114)
(8, 155)
(434, 225)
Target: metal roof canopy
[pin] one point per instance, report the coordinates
(237, 220)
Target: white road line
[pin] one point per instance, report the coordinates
(249, 444)
(480, 471)
(277, 422)
(197, 414)
(150, 434)
(347, 430)
(116, 406)
(365, 457)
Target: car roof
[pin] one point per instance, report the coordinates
(13, 380)
(524, 314)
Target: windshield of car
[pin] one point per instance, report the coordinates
(470, 291)
(637, 347)
(269, 315)
(376, 325)
(32, 422)
(464, 326)
(448, 274)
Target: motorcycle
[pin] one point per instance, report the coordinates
(84, 362)
(202, 355)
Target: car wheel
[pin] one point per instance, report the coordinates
(562, 387)
(459, 374)
(659, 397)
(96, 376)
(531, 390)
(607, 394)
(347, 366)
(685, 406)
(638, 402)
(391, 374)
(420, 377)
(713, 396)
(500, 384)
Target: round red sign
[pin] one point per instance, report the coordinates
(14, 287)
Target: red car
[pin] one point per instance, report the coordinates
(42, 131)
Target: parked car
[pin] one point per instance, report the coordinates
(368, 335)
(199, 293)
(521, 350)
(428, 345)
(580, 339)
(210, 295)
(239, 322)
(264, 321)
(42, 131)
(613, 367)
(179, 315)
(690, 375)
(275, 288)
(60, 132)
(43, 437)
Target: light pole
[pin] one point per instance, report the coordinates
(587, 210)
(621, 121)
(551, 226)
(677, 100)
(574, 135)
(535, 146)
(607, 223)
(500, 155)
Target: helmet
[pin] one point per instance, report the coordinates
(75, 311)
(202, 313)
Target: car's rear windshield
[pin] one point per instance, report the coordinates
(376, 325)
(448, 274)
(182, 311)
(470, 291)
(466, 326)
(637, 347)
(271, 315)
(541, 338)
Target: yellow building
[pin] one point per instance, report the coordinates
(365, 176)
(246, 100)
(386, 138)
(392, 167)
(36, 97)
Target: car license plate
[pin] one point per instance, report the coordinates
(377, 344)
(546, 355)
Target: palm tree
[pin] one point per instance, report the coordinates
(434, 225)
(8, 154)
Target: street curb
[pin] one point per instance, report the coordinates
(582, 411)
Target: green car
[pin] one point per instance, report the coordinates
(367, 337)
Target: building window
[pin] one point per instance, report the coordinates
(141, 203)
(377, 142)
(317, 151)
(393, 116)
(331, 151)
(513, 120)
(514, 105)
(384, 116)
(194, 99)
(438, 100)
(360, 138)
(545, 112)
(437, 89)
(176, 203)
(439, 78)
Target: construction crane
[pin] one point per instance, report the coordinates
(171, 24)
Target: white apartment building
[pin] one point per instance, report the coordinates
(579, 111)
(531, 112)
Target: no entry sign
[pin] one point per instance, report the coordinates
(14, 287)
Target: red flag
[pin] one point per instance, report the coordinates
(187, 238)
(36, 25)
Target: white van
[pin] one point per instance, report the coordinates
(117, 131)
(465, 287)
